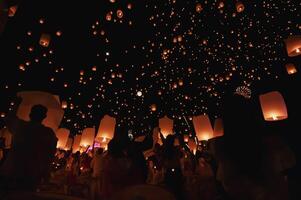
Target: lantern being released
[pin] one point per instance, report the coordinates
(273, 106)
(87, 139)
(218, 128)
(166, 126)
(76, 143)
(45, 40)
(106, 127)
(293, 45)
(62, 135)
(203, 127)
(69, 144)
(291, 68)
(240, 7)
(30, 98)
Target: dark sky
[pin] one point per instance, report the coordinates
(183, 56)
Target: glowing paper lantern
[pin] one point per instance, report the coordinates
(45, 40)
(69, 144)
(12, 11)
(218, 128)
(273, 106)
(87, 139)
(153, 107)
(62, 135)
(30, 98)
(186, 138)
(166, 126)
(192, 145)
(291, 68)
(203, 127)
(106, 127)
(119, 13)
(198, 8)
(239, 7)
(293, 45)
(64, 104)
(76, 143)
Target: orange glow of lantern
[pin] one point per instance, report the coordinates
(198, 7)
(153, 108)
(273, 106)
(109, 17)
(166, 126)
(69, 144)
(240, 7)
(119, 14)
(12, 11)
(45, 40)
(106, 127)
(291, 68)
(76, 143)
(62, 135)
(192, 145)
(293, 45)
(30, 98)
(186, 138)
(64, 104)
(87, 139)
(203, 127)
(218, 128)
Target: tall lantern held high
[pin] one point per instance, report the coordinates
(30, 98)
(62, 135)
(293, 45)
(76, 143)
(87, 139)
(166, 126)
(202, 127)
(218, 130)
(106, 131)
(273, 106)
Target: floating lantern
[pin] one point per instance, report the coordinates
(12, 11)
(87, 139)
(203, 127)
(64, 104)
(139, 93)
(166, 126)
(153, 107)
(273, 106)
(45, 40)
(76, 143)
(192, 145)
(30, 98)
(291, 68)
(69, 144)
(218, 128)
(186, 138)
(119, 14)
(240, 7)
(293, 45)
(62, 135)
(198, 8)
(109, 17)
(106, 128)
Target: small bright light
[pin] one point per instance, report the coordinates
(297, 50)
(139, 93)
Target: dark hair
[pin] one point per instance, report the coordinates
(38, 113)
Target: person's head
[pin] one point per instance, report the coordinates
(38, 113)
(99, 151)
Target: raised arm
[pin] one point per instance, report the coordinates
(11, 119)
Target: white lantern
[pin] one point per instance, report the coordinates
(62, 135)
(291, 68)
(166, 126)
(202, 127)
(273, 106)
(76, 143)
(293, 45)
(218, 128)
(30, 98)
(106, 127)
(87, 139)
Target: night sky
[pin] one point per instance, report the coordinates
(138, 60)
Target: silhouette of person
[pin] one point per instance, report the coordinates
(32, 150)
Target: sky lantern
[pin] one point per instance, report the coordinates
(109, 16)
(119, 14)
(69, 144)
(106, 128)
(12, 10)
(273, 106)
(62, 135)
(87, 139)
(153, 107)
(239, 7)
(198, 7)
(186, 138)
(293, 45)
(166, 126)
(76, 143)
(30, 98)
(291, 68)
(64, 104)
(192, 145)
(203, 127)
(218, 128)
(45, 40)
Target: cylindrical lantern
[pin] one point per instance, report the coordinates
(87, 139)
(64, 104)
(293, 45)
(218, 128)
(192, 145)
(62, 135)
(202, 127)
(240, 7)
(30, 98)
(69, 144)
(12, 11)
(273, 106)
(291, 68)
(45, 40)
(166, 126)
(76, 143)
(106, 127)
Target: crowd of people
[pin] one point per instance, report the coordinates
(250, 162)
